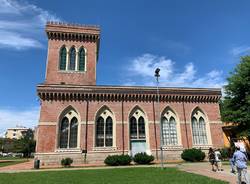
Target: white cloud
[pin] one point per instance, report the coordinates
(22, 24)
(141, 72)
(9, 118)
(236, 51)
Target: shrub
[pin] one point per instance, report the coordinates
(193, 155)
(66, 162)
(114, 160)
(143, 158)
(124, 159)
(224, 153)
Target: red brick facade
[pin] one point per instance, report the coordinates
(72, 90)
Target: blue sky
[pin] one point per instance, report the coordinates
(195, 43)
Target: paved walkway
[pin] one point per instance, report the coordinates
(198, 168)
(204, 168)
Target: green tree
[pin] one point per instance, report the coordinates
(235, 107)
(26, 144)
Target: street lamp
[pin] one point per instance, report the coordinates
(157, 75)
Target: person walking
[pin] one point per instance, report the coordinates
(240, 161)
(211, 158)
(218, 160)
(231, 161)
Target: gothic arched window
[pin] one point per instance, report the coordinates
(169, 130)
(62, 60)
(68, 130)
(199, 128)
(64, 129)
(82, 61)
(104, 132)
(72, 59)
(141, 127)
(73, 133)
(133, 128)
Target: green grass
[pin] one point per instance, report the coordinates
(108, 176)
(6, 163)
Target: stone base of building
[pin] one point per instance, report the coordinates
(99, 157)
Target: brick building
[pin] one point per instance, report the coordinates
(87, 122)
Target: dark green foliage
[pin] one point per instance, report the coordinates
(124, 159)
(235, 107)
(26, 145)
(143, 158)
(66, 162)
(193, 155)
(114, 160)
(224, 153)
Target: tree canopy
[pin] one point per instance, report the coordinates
(235, 107)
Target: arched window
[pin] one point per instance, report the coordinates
(137, 128)
(109, 132)
(104, 132)
(169, 130)
(72, 59)
(63, 55)
(199, 129)
(68, 130)
(64, 129)
(82, 61)
(133, 128)
(100, 132)
(73, 133)
(141, 126)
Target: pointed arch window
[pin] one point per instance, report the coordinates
(64, 133)
(199, 129)
(169, 131)
(104, 132)
(72, 59)
(73, 133)
(82, 61)
(137, 128)
(63, 56)
(141, 127)
(68, 131)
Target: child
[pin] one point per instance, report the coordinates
(211, 158)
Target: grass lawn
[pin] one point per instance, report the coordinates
(108, 176)
(6, 163)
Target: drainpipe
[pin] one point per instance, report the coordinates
(185, 120)
(122, 128)
(86, 132)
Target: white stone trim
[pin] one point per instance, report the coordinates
(41, 123)
(200, 113)
(104, 112)
(168, 112)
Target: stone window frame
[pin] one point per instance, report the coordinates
(68, 49)
(198, 113)
(104, 112)
(69, 113)
(167, 113)
(141, 112)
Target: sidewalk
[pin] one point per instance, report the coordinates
(204, 168)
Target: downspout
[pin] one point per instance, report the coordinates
(122, 128)
(185, 121)
(86, 131)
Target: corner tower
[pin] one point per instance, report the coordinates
(72, 53)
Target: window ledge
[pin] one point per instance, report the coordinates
(71, 71)
(68, 150)
(202, 146)
(104, 149)
(172, 147)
